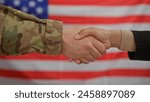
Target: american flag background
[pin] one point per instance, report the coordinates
(112, 68)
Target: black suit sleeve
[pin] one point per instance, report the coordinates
(142, 41)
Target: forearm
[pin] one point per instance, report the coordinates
(22, 33)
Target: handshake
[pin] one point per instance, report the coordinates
(84, 45)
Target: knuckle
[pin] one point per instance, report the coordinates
(88, 46)
(96, 55)
(92, 59)
(83, 55)
(100, 55)
(103, 50)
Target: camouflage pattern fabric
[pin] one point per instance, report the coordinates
(21, 33)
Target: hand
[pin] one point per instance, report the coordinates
(98, 45)
(84, 50)
(99, 34)
(110, 38)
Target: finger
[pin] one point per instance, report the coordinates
(85, 61)
(88, 32)
(98, 45)
(77, 61)
(95, 56)
(90, 58)
(70, 60)
(83, 33)
(94, 52)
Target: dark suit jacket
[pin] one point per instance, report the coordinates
(142, 40)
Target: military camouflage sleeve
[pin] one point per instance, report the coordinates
(21, 33)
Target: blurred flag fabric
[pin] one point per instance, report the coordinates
(112, 68)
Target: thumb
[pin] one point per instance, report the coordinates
(81, 35)
(78, 37)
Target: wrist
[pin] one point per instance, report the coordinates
(52, 37)
(127, 41)
(115, 38)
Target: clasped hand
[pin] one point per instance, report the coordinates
(84, 45)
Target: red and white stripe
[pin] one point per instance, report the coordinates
(112, 68)
(120, 14)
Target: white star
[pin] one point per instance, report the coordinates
(16, 2)
(24, 8)
(2, 1)
(40, 0)
(32, 4)
(39, 10)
